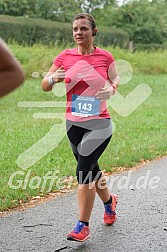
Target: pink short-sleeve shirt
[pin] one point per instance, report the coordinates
(85, 75)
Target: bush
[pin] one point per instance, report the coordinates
(150, 47)
(29, 31)
(113, 37)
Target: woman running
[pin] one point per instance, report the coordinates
(91, 78)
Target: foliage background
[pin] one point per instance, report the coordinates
(144, 21)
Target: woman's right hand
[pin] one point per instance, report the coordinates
(59, 75)
(56, 74)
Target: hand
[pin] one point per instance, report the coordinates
(105, 93)
(59, 75)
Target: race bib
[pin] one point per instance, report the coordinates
(85, 106)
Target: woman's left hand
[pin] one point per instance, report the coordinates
(105, 93)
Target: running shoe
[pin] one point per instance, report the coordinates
(80, 233)
(110, 214)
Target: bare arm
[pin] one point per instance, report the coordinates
(113, 76)
(111, 85)
(11, 73)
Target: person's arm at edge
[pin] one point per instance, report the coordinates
(11, 73)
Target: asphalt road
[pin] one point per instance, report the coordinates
(141, 224)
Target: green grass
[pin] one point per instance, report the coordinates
(141, 135)
(38, 57)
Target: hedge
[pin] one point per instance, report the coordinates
(150, 47)
(30, 31)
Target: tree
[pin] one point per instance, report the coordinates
(14, 8)
(145, 21)
(62, 10)
(90, 6)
